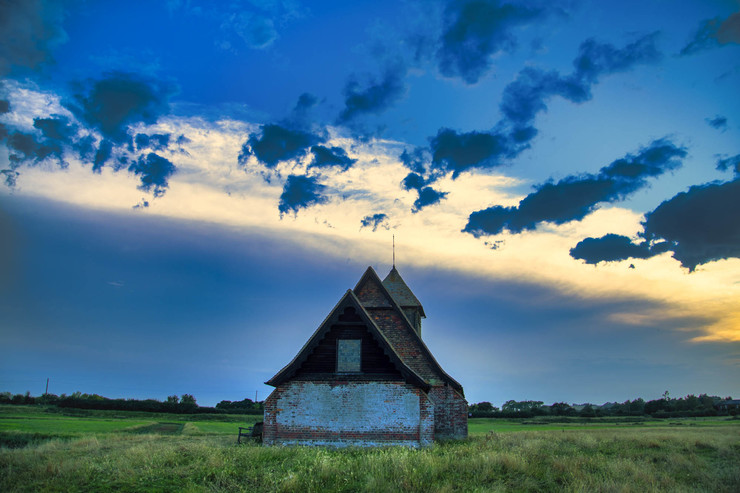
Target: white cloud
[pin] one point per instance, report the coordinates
(210, 186)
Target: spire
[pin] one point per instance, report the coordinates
(394, 251)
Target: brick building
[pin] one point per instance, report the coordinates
(365, 377)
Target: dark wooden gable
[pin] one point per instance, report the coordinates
(322, 360)
(348, 320)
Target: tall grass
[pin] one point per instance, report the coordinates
(649, 459)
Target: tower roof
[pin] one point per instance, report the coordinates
(400, 292)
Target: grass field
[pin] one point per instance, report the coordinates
(49, 451)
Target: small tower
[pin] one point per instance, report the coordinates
(405, 298)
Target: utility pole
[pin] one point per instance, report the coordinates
(47, 386)
(255, 396)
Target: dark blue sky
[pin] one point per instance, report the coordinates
(189, 188)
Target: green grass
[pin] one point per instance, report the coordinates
(174, 453)
(21, 426)
(482, 426)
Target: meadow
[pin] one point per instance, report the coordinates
(46, 449)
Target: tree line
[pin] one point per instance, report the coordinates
(184, 404)
(665, 407)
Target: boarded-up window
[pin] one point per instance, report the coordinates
(348, 355)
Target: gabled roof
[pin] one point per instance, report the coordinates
(408, 334)
(400, 292)
(349, 299)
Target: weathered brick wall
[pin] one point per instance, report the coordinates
(450, 413)
(348, 413)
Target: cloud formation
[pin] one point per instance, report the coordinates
(276, 143)
(375, 96)
(58, 138)
(714, 33)
(375, 221)
(156, 142)
(426, 195)
(698, 226)
(719, 122)
(731, 163)
(525, 97)
(154, 171)
(474, 30)
(300, 192)
(117, 100)
(612, 247)
(54, 133)
(573, 197)
(331, 156)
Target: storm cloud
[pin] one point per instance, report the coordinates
(276, 143)
(701, 224)
(54, 133)
(116, 101)
(300, 192)
(58, 135)
(456, 153)
(729, 163)
(156, 142)
(612, 247)
(374, 96)
(375, 221)
(573, 197)
(331, 156)
(522, 99)
(154, 171)
(474, 30)
(698, 226)
(713, 33)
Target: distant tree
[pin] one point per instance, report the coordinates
(637, 407)
(561, 409)
(173, 399)
(47, 399)
(523, 408)
(187, 403)
(484, 406)
(588, 411)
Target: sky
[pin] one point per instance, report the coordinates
(187, 189)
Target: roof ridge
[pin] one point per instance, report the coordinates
(400, 291)
(410, 328)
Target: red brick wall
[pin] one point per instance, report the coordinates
(450, 413)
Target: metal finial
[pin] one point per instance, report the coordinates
(394, 251)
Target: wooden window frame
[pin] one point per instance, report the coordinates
(358, 349)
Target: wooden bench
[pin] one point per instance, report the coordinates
(244, 431)
(250, 432)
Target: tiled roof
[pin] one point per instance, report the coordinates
(397, 328)
(387, 322)
(400, 291)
